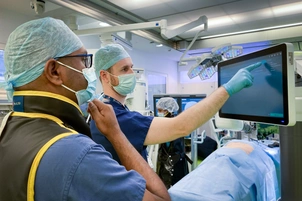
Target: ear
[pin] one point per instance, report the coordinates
(52, 72)
(104, 77)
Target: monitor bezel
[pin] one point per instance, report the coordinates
(3, 97)
(288, 82)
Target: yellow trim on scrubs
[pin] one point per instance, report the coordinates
(38, 157)
(46, 94)
(36, 162)
(41, 115)
(37, 115)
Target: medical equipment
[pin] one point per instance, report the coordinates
(183, 100)
(101, 98)
(291, 147)
(298, 62)
(136, 101)
(205, 65)
(230, 129)
(38, 6)
(166, 32)
(196, 138)
(271, 98)
(290, 136)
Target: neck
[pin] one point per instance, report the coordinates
(115, 95)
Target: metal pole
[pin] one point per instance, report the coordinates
(194, 149)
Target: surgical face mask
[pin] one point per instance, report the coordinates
(126, 84)
(161, 115)
(87, 94)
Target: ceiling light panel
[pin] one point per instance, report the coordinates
(288, 9)
(136, 4)
(256, 15)
(220, 21)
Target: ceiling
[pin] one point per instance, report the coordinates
(224, 16)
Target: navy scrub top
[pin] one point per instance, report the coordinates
(134, 125)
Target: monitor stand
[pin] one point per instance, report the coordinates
(291, 155)
(291, 162)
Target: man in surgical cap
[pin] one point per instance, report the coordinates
(113, 66)
(45, 150)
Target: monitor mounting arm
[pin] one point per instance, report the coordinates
(166, 32)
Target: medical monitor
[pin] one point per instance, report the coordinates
(184, 101)
(2, 68)
(3, 96)
(187, 101)
(157, 97)
(271, 98)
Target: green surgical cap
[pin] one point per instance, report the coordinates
(107, 56)
(167, 103)
(29, 47)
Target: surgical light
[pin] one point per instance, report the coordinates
(205, 66)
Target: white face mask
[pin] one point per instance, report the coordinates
(87, 94)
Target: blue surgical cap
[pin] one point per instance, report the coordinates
(107, 56)
(29, 47)
(167, 103)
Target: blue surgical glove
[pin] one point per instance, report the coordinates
(242, 79)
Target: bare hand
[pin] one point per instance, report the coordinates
(104, 117)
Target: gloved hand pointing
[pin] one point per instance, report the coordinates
(242, 79)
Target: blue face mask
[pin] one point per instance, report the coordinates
(126, 84)
(87, 94)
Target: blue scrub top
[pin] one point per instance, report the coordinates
(76, 168)
(134, 125)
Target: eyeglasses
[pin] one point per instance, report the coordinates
(87, 59)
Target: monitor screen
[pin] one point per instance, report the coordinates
(3, 96)
(184, 101)
(155, 99)
(188, 101)
(271, 98)
(2, 68)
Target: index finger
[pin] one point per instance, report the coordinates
(255, 65)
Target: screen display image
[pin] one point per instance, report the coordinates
(184, 101)
(267, 84)
(267, 99)
(155, 110)
(187, 102)
(2, 68)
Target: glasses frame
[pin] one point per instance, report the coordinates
(79, 55)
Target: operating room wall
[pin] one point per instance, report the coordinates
(157, 64)
(8, 22)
